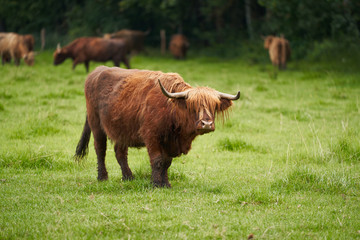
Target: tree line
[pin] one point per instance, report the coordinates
(205, 22)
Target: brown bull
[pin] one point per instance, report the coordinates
(134, 39)
(30, 41)
(178, 46)
(14, 46)
(279, 50)
(136, 108)
(86, 49)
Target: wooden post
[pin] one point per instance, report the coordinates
(163, 41)
(248, 19)
(42, 36)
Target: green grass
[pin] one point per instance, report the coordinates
(284, 165)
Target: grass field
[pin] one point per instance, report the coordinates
(285, 165)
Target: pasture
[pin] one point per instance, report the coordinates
(284, 165)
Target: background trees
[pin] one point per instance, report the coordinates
(206, 23)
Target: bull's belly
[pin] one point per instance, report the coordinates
(137, 145)
(125, 138)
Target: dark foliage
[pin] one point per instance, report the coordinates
(205, 23)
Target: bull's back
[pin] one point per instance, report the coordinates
(112, 98)
(275, 51)
(100, 49)
(106, 86)
(103, 80)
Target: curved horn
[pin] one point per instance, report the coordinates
(172, 95)
(229, 96)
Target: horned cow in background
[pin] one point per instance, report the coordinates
(178, 46)
(86, 49)
(14, 46)
(279, 50)
(136, 108)
(133, 38)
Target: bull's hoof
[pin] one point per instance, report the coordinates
(168, 185)
(161, 184)
(102, 177)
(128, 178)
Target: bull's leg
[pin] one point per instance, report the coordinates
(126, 62)
(87, 65)
(121, 157)
(100, 148)
(164, 173)
(156, 167)
(116, 63)
(75, 62)
(159, 165)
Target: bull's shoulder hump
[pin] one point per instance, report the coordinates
(115, 73)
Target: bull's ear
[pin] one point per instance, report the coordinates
(224, 104)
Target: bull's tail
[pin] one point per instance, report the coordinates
(82, 147)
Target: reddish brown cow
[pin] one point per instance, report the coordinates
(30, 41)
(178, 46)
(136, 108)
(13, 46)
(279, 50)
(86, 49)
(134, 39)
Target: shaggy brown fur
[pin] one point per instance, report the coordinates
(178, 46)
(128, 107)
(279, 50)
(14, 46)
(133, 38)
(86, 49)
(30, 41)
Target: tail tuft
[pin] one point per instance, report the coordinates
(82, 147)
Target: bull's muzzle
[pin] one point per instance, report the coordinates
(205, 126)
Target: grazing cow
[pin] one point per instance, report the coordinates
(279, 50)
(13, 46)
(136, 108)
(30, 42)
(178, 46)
(86, 49)
(134, 39)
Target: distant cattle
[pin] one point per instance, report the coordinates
(134, 39)
(30, 41)
(14, 46)
(136, 108)
(178, 46)
(86, 49)
(279, 50)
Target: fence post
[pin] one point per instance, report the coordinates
(163, 41)
(42, 35)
